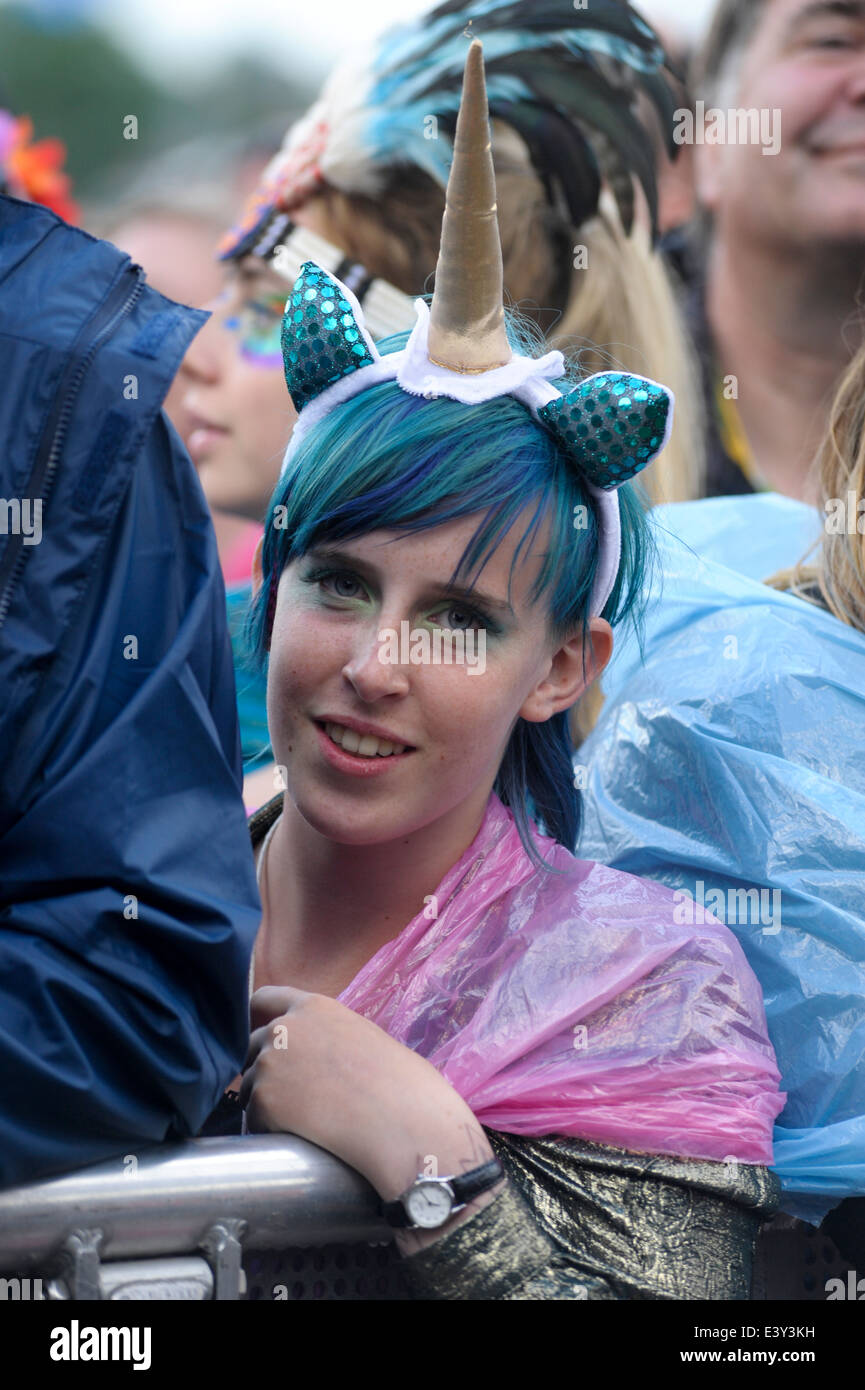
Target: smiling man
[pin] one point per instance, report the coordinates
(781, 265)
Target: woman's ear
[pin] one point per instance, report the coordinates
(568, 676)
(257, 571)
(599, 648)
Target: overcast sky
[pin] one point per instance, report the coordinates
(183, 36)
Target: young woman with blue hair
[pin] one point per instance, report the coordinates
(579, 99)
(556, 1090)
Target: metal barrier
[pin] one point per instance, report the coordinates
(178, 1221)
(175, 1222)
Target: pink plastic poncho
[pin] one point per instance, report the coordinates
(575, 1004)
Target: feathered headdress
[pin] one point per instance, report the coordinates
(567, 80)
(610, 426)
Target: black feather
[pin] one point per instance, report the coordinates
(581, 125)
(586, 99)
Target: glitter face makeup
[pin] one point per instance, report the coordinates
(235, 392)
(258, 325)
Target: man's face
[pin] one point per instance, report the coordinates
(807, 60)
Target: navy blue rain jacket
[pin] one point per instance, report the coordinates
(128, 902)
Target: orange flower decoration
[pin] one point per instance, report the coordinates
(33, 169)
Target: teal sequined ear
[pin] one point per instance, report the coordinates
(612, 425)
(323, 339)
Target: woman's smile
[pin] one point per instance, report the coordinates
(367, 759)
(369, 713)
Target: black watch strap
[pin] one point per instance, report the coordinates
(479, 1180)
(395, 1214)
(464, 1188)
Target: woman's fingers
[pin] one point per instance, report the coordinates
(266, 1006)
(246, 1085)
(271, 1001)
(257, 1041)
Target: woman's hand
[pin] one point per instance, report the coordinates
(317, 1069)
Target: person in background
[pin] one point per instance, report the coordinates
(728, 765)
(775, 262)
(175, 245)
(676, 190)
(173, 239)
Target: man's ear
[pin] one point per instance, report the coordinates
(257, 571)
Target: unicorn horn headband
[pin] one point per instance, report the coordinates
(609, 427)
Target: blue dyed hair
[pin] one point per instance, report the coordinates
(385, 460)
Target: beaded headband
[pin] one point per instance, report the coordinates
(610, 426)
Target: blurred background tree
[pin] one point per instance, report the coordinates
(74, 81)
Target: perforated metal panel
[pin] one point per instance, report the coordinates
(793, 1262)
(330, 1272)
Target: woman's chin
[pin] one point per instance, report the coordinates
(353, 825)
(223, 495)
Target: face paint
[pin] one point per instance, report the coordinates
(259, 329)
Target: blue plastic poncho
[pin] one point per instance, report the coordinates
(730, 767)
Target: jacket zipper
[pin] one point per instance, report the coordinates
(118, 305)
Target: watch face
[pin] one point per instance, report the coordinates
(430, 1204)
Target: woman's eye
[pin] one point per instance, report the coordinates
(848, 38)
(338, 577)
(345, 585)
(467, 614)
(260, 320)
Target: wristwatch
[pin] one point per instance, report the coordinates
(430, 1201)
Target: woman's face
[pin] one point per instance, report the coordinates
(329, 662)
(235, 390)
(240, 409)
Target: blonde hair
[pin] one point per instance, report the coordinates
(601, 296)
(623, 307)
(839, 571)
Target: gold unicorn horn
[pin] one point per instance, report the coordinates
(467, 317)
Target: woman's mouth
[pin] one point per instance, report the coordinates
(360, 753)
(203, 438)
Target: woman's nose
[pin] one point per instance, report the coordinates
(376, 667)
(205, 355)
(855, 88)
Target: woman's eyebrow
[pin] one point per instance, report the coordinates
(252, 271)
(827, 9)
(244, 271)
(332, 555)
